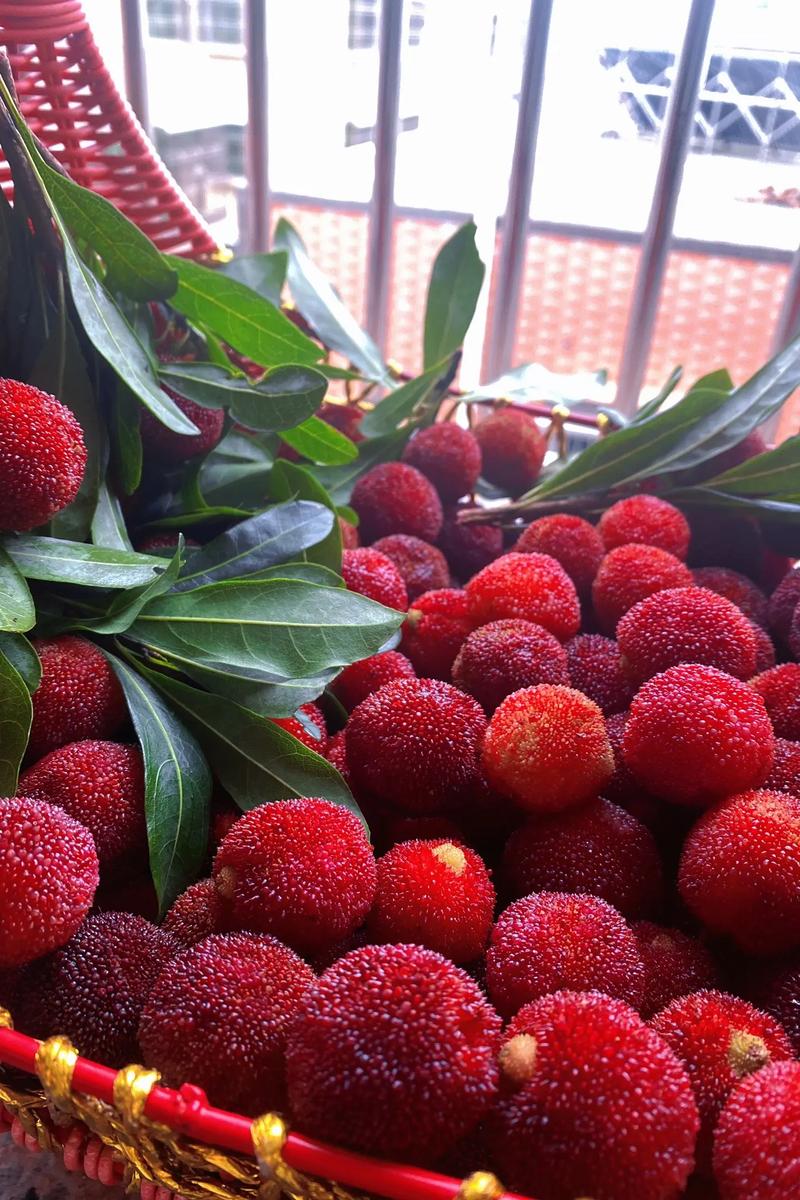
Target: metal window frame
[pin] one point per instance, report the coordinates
(257, 235)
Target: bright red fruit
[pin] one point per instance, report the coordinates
(645, 520)
(448, 456)
(629, 573)
(757, 1141)
(512, 449)
(571, 541)
(396, 498)
(79, 695)
(375, 576)
(42, 456)
(530, 587)
(504, 656)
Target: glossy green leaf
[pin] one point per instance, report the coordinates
(318, 441)
(775, 472)
(453, 292)
(125, 608)
(655, 403)
(23, 658)
(780, 511)
(263, 692)
(288, 481)
(16, 714)
(17, 610)
(126, 439)
(262, 273)
(287, 396)
(58, 561)
(398, 406)
(108, 522)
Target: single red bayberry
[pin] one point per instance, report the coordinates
(308, 726)
(48, 878)
(42, 456)
(740, 871)
(757, 1139)
(375, 576)
(344, 417)
(392, 1053)
(434, 631)
(100, 784)
(598, 849)
(592, 1103)
(349, 535)
(785, 773)
(302, 870)
(396, 498)
(735, 587)
(765, 650)
(421, 565)
(776, 989)
(219, 1016)
(782, 604)
(512, 449)
(595, 668)
(448, 456)
(571, 541)
(794, 635)
(362, 678)
(554, 940)
(645, 520)
(436, 894)
(780, 688)
(686, 625)
(168, 447)
(504, 656)
(694, 734)
(414, 743)
(530, 587)
(674, 965)
(546, 748)
(79, 695)
(468, 548)
(628, 574)
(196, 914)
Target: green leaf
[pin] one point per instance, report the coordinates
(124, 610)
(318, 441)
(655, 403)
(16, 714)
(58, 561)
(133, 264)
(288, 481)
(23, 658)
(177, 788)
(452, 295)
(264, 274)
(108, 522)
(241, 318)
(785, 510)
(126, 439)
(340, 481)
(399, 405)
(17, 611)
(775, 472)
(287, 396)
(325, 312)
(256, 761)
(262, 692)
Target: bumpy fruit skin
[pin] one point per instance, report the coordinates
(780, 687)
(737, 588)
(48, 878)
(554, 940)
(694, 734)
(375, 576)
(392, 1053)
(302, 870)
(42, 456)
(504, 656)
(683, 625)
(448, 456)
(436, 894)
(437, 624)
(785, 773)
(757, 1140)
(740, 871)
(414, 743)
(547, 749)
(598, 849)
(396, 498)
(196, 914)
(628, 574)
(674, 964)
(776, 990)
(782, 604)
(595, 668)
(362, 678)
(219, 1016)
(592, 1103)
(646, 521)
(168, 447)
(79, 695)
(571, 541)
(93, 989)
(468, 548)
(530, 587)
(421, 565)
(100, 784)
(512, 449)
(720, 1040)
(794, 635)
(765, 650)
(349, 534)
(298, 729)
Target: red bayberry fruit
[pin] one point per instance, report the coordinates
(782, 604)
(794, 634)
(48, 878)
(740, 871)
(554, 940)
(592, 1103)
(531, 587)
(228, 1000)
(776, 989)
(785, 773)
(420, 829)
(469, 548)
(757, 1139)
(336, 753)
(720, 1039)
(362, 678)
(196, 914)
(598, 849)
(100, 784)
(375, 576)
(546, 748)
(780, 687)
(504, 656)
(421, 565)
(302, 870)
(396, 498)
(674, 965)
(735, 587)
(79, 695)
(646, 521)
(765, 650)
(694, 734)
(448, 456)
(344, 417)
(686, 625)
(628, 574)
(42, 456)
(166, 446)
(308, 727)
(512, 449)
(94, 988)
(349, 534)
(436, 894)
(414, 743)
(434, 631)
(571, 541)
(595, 668)
(392, 1053)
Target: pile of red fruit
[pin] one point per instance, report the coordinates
(570, 951)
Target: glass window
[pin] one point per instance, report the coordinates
(168, 19)
(220, 21)
(362, 25)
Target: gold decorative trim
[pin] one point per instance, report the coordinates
(481, 1185)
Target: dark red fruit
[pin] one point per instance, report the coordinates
(628, 574)
(421, 565)
(794, 635)
(512, 449)
(362, 678)
(79, 695)
(308, 726)
(595, 668)
(42, 456)
(776, 989)
(375, 576)
(780, 688)
(196, 914)
(530, 587)
(765, 650)
(344, 417)
(396, 498)
(469, 548)
(782, 605)
(504, 656)
(448, 456)
(735, 587)
(434, 631)
(571, 541)
(168, 447)
(674, 963)
(785, 773)
(647, 521)
(757, 1140)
